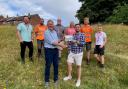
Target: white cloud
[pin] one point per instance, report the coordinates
(5, 10)
(49, 9)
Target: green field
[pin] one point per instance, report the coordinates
(14, 75)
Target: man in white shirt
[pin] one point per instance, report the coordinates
(101, 39)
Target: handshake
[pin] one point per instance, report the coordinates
(61, 45)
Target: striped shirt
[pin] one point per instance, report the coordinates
(77, 48)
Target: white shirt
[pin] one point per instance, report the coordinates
(100, 38)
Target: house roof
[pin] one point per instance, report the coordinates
(18, 18)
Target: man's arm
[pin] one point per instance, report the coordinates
(19, 36)
(49, 40)
(32, 38)
(105, 41)
(36, 29)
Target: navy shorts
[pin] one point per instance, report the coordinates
(88, 46)
(98, 50)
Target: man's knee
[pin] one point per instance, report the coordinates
(78, 66)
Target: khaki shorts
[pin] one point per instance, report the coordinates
(75, 58)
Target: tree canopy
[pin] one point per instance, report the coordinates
(98, 10)
(120, 15)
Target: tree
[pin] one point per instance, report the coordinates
(1, 16)
(7, 16)
(98, 10)
(120, 15)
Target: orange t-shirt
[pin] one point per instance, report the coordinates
(39, 31)
(87, 30)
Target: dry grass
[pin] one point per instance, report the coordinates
(14, 75)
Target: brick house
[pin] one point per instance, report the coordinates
(34, 20)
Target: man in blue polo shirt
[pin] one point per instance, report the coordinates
(51, 43)
(24, 33)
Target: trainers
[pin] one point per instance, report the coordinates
(101, 65)
(22, 61)
(67, 78)
(31, 60)
(87, 61)
(78, 83)
(46, 85)
(56, 84)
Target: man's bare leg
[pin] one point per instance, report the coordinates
(79, 72)
(88, 56)
(69, 69)
(102, 60)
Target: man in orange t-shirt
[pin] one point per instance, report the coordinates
(39, 32)
(87, 30)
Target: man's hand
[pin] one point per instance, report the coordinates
(62, 45)
(101, 46)
(55, 43)
(32, 41)
(19, 36)
(21, 41)
(60, 48)
(77, 42)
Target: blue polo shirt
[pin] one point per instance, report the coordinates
(25, 31)
(49, 38)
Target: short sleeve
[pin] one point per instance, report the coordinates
(105, 35)
(19, 27)
(32, 27)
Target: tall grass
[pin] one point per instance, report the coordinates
(14, 75)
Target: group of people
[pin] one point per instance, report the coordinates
(53, 39)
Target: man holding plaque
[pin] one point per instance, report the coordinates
(76, 54)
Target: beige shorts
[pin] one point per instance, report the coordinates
(75, 58)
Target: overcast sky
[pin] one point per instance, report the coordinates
(48, 9)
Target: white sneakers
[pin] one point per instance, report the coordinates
(78, 83)
(69, 78)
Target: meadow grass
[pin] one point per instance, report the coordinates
(14, 75)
